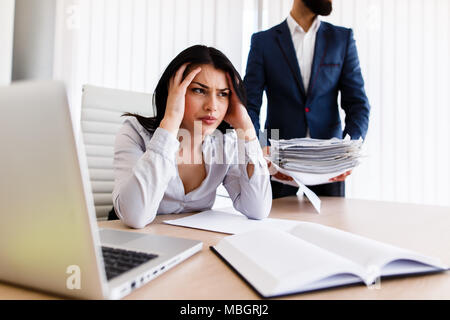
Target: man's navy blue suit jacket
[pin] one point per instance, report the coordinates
(272, 66)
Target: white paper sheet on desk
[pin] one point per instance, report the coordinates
(230, 223)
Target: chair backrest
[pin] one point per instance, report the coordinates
(101, 120)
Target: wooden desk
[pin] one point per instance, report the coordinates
(425, 229)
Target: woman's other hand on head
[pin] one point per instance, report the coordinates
(176, 98)
(237, 115)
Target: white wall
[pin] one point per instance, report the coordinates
(6, 40)
(403, 47)
(34, 30)
(126, 44)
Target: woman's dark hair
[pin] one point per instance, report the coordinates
(195, 55)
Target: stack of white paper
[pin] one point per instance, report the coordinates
(323, 159)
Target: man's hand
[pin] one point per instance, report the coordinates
(341, 177)
(272, 170)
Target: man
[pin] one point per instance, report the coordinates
(302, 64)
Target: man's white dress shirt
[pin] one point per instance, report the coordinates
(304, 43)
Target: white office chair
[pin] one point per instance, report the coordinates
(101, 119)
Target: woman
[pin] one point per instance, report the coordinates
(175, 161)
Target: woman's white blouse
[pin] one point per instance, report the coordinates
(147, 180)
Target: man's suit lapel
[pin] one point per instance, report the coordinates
(287, 47)
(320, 51)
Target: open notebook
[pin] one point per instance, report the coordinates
(312, 256)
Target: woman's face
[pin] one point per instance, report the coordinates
(207, 99)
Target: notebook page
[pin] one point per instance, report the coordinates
(370, 254)
(403, 266)
(276, 262)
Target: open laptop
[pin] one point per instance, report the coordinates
(49, 239)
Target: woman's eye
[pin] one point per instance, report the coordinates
(198, 90)
(223, 94)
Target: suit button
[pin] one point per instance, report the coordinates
(307, 110)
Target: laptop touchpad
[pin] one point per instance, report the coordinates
(115, 237)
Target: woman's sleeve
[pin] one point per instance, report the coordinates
(142, 174)
(251, 196)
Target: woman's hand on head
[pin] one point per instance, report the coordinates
(237, 115)
(176, 99)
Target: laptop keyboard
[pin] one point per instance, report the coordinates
(118, 261)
